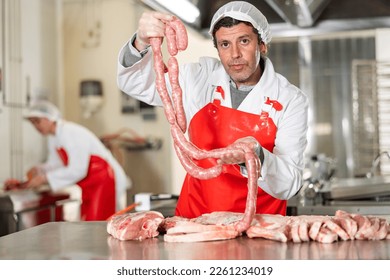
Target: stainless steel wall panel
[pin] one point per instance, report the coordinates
(328, 84)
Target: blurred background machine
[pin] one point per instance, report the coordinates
(21, 209)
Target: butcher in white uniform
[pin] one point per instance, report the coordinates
(77, 156)
(238, 97)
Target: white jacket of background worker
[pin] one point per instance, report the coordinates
(80, 144)
(281, 173)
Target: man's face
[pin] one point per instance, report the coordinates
(239, 50)
(43, 125)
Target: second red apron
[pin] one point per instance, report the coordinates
(98, 189)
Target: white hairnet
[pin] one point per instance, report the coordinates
(244, 11)
(43, 109)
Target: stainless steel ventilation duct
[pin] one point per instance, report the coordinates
(287, 17)
(302, 13)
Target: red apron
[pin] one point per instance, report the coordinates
(98, 189)
(216, 126)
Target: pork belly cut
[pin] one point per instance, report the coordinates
(382, 231)
(348, 224)
(222, 233)
(135, 226)
(277, 234)
(218, 218)
(207, 227)
(324, 229)
(170, 222)
(315, 229)
(325, 235)
(273, 227)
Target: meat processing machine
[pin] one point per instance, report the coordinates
(321, 194)
(164, 203)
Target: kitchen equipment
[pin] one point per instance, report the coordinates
(375, 188)
(7, 216)
(318, 173)
(150, 201)
(376, 162)
(366, 196)
(91, 97)
(25, 208)
(124, 211)
(321, 168)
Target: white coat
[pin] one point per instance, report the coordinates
(281, 172)
(80, 144)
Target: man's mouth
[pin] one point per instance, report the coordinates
(237, 67)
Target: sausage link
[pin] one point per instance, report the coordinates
(252, 163)
(193, 151)
(194, 170)
(181, 34)
(170, 33)
(177, 96)
(160, 80)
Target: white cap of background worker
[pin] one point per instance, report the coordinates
(43, 109)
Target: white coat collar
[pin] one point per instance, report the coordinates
(59, 127)
(219, 77)
(266, 87)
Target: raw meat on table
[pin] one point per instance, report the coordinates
(135, 226)
(220, 226)
(208, 227)
(323, 229)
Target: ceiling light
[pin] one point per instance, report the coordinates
(182, 8)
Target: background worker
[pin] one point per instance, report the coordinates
(77, 156)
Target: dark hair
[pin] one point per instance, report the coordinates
(229, 22)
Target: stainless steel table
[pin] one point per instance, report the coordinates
(90, 240)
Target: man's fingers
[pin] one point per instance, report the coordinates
(162, 16)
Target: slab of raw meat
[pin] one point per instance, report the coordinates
(135, 226)
(207, 227)
(273, 227)
(218, 218)
(324, 229)
(170, 222)
(212, 235)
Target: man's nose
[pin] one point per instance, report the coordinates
(236, 51)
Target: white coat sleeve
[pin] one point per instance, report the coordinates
(281, 173)
(138, 80)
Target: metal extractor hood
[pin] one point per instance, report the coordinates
(288, 17)
(302, 13)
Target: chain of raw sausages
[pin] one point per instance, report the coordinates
(177, 40)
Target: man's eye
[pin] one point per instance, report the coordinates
(224, 45)
(245, 41)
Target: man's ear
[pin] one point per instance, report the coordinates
(263, 48)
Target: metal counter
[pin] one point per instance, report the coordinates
(90, 240)
(21, 209)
